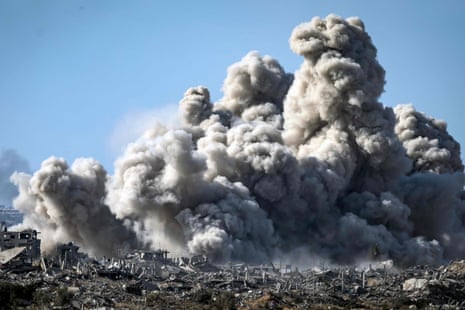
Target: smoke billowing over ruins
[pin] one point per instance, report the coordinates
(285, 165)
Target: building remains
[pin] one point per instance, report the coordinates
(19, 249)
(69, 279)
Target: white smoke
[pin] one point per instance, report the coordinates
(10, 161)
(310, 163)
(134, 123)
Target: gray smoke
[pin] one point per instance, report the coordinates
(66, 204)
(427, 142)
(284, 165)
(10, 161)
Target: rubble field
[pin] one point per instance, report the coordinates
(144, 281)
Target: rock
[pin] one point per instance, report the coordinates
(413, 284)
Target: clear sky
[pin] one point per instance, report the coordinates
(80, 78)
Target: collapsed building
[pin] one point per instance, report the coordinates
(19, 248)
(146, 279)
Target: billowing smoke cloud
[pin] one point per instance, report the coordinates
(10, 161)
(65, 204)
(427, 142)
(283, 165)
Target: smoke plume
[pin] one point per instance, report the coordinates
(10, 161)
(65, 204)
(284, 165)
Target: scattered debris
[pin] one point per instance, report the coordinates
(69, 279)
(145, 282)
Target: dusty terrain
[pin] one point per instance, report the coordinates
(235, 287)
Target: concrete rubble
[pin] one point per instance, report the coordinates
(69, 279)
(152, 280)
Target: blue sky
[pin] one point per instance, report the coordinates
(78, 78)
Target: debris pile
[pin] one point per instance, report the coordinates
(69, 279)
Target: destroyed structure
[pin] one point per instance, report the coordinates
(69, 279)
(18, 249)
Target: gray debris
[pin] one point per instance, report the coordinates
(69, 279)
